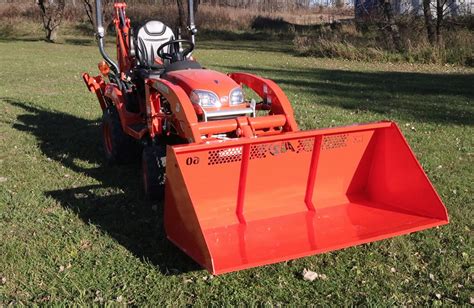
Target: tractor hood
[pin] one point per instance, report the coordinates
(203, 79)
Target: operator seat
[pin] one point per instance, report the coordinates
(149, 38)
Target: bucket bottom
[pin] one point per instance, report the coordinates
(277, 239)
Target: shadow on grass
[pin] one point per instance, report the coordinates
(79, 41)
(437, 98)
(247, 41)
(9, 39)
(114, 204)
(62, 40)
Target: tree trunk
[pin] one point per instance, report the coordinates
(392, 26)
(181, 15)
(195, 6)
(439, 19)
(52, 14)
(52, 34)
(428, 21)
(89, 11)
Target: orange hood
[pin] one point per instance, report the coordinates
(203, 79)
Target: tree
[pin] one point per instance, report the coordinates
(195, 5)
(52, 12)
(182, 12)
(181, 15)
(89, 6)
(391, 25)
(443, 8)
(428, 21)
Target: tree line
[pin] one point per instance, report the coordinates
(52, 11)
(434, 12)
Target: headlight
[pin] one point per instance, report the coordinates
(236, 96)
(204, 98)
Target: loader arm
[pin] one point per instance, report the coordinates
(272, 95)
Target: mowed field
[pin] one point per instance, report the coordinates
(73, 230)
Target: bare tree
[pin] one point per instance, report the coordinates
(428, 21)
(52, 12)
(107, 10)
(182, 12)
(196, 5)
(181, 15)
(442, 9)
(434, 26)
(391, 25)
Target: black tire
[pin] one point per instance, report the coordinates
(119, 147)
(153, 172)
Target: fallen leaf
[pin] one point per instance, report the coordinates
(85, 244)
(309, 275)
(119, 298)
(81, 196)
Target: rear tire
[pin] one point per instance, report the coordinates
(153, 172)
(119, 147)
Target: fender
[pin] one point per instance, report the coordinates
(183, 110)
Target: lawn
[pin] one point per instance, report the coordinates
(75, 231)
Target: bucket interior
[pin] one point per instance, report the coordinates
(265, 202)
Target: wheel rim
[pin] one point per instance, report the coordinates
(107, 138)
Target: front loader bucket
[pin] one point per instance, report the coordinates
(249, 202)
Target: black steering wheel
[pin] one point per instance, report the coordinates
(175, 54)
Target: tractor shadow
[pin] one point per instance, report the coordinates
(113, 202)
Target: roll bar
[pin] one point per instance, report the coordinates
(101, 32)
(192, 27)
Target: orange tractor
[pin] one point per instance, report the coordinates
(243, 189)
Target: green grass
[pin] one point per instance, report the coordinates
(75, 231)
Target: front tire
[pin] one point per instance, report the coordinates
(153, 172)
(119, 148)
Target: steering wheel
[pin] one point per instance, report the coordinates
(176, 55)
